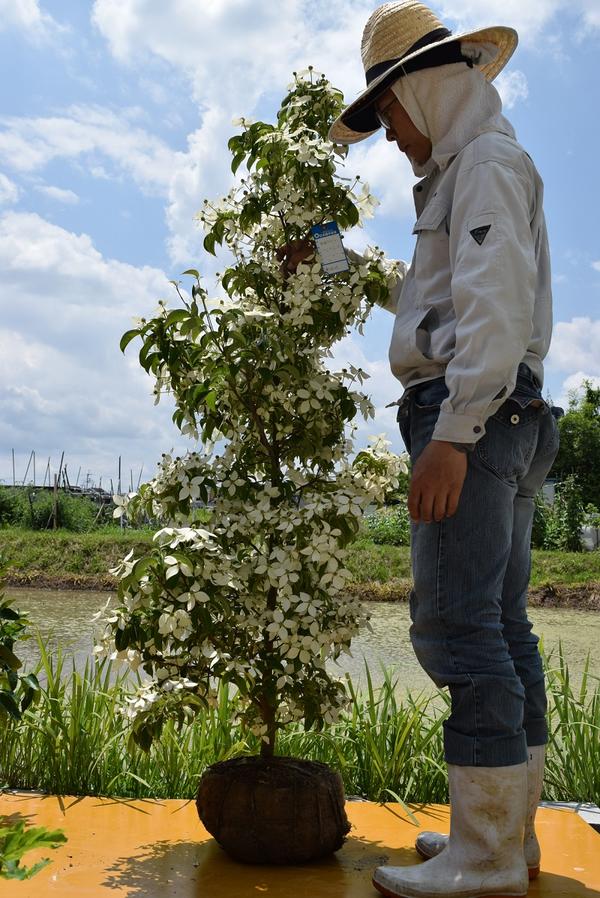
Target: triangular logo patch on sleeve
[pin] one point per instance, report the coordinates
(479, 234)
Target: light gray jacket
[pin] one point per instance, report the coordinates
(476, 300)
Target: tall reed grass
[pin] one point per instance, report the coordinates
(388, 746)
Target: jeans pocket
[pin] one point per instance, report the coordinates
(510, 440)
(430, 395)
(403, 419)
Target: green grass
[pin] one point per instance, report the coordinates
(570, 568)
(67, 555)
(61, 553)
(73, 741)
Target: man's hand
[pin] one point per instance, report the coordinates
(291, 254)
(436, 482)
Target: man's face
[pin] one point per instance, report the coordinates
(402, 131)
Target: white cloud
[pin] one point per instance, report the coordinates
(576, 342)
(69, 197)
(232, 52)
(574, 385)
(29, 144)
(596, 266)
(388, 173)
(235, 49)
(512, 87)
(591, 16)
(64, 384)
(9, 192)
(27, 15)
(203, 172)
(530, 19)
(381, 386)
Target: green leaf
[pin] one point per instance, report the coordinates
(193, 272)
(32, 681)
(121, 640)
(237, 161)
(12, 870)
(9, 705)
(209, 243)
(9, 614)
(127, 337)
(9, 658)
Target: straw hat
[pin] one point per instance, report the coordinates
(403, 37)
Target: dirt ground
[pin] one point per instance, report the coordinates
(585, 596)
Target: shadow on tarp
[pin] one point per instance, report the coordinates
(202, 869)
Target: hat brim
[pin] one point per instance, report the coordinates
(506, 39)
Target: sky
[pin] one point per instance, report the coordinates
(114, 122)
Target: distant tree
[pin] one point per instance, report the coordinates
(579, 452)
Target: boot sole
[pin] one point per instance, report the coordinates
(387, 894)
(533, 872)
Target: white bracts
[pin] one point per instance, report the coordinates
(484, 854)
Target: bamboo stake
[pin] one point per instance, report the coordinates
(55, 504)
(27, 469)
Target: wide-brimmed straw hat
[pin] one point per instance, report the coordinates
(403, 37)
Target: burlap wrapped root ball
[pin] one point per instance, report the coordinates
(273, 810)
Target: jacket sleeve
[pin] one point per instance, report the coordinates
(391, 303)
(493, 282)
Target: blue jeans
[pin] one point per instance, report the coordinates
(468, 607)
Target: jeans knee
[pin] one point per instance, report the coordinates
(429, 652)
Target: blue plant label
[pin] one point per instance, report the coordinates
(330, 248)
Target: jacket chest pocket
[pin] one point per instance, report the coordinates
(432, 256)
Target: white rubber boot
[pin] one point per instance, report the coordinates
(484, 854)
(429, 844)
(536, 758)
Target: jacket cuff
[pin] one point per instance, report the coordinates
(452, 428)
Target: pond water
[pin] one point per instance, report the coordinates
(65, 618)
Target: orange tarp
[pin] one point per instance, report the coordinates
(158, 849)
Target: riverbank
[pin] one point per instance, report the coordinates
(64, 560)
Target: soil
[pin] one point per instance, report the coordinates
(273, 810)
(584, 596)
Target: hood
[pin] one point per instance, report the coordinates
(451, 105)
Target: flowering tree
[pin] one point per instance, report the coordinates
(258, 597)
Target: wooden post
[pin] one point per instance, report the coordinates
(61, 465)
(55, 504)
(27, 470)
(13, 461)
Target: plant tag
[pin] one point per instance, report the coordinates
(330, 248)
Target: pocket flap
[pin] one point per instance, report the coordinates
(431, 217)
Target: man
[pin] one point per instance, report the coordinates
(472, 326)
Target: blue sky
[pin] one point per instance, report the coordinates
(114, 121)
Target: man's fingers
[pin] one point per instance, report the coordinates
(427, 504)
(440, 506)
(420, 504)
(453, 499)
(414, 502)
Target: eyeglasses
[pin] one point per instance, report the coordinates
(382, 118)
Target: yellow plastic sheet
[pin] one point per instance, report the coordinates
(158, 849)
